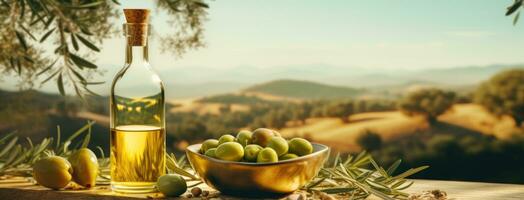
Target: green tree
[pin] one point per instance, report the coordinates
(427, 102)
(503, 94)
(276, 118)
(340, 109)
(225, 108)
(369, 140)
(301, 112)
(74, 29)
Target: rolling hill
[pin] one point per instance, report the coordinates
(461, 119)
(297, 89)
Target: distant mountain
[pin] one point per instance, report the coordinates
(463, 75)
(195, 82)
(179, 91)
(302, 90)
(458, 76)
(199, 82)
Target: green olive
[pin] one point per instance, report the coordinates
(287, 156)
(208, 144)
(85, 167)
(267, 155)
(262, 136)
(230, 151)
(300, 147)
(279, 145)
(211, 152)
(53, 172)
(244, 137)
(251, 152)
(171, 185)
(226, 138)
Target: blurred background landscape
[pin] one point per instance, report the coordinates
(439, 84)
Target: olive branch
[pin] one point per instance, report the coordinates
(356, 177)
(56, 40)
(17, 159)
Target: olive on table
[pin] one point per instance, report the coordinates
(196, 191)
(208, 144)
(279, 145)
(211, 152)
(53, 172)
(225, 138)
(171, 185)
(267, 155)
(85, 167)
(300, 147)
(230, 151)
(251, 152)
(261, 136)
(244, 137)
(287, 156)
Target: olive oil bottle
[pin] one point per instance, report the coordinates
(137, 110)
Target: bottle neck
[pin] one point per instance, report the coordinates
(136, 42)
(137, 54)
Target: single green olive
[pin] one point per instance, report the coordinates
(251, 152)
(230, 151)
(300, 147)
(287, 156)
(53, 172)
(211, 152)
(267, 155)
(85, 167)
(244, 137)
(171, 185)
(226, 138)
(279, 145)
(261, 136)
(208, 144)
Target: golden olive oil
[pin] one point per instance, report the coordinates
(137, 111)
(137, 157)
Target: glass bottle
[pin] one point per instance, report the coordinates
(137, 123)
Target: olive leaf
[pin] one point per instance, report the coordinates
(60, 84)
(82, 62)
(73, 40)
(21, 39)
(47, 68)
(88, 43)
(516, 18)
(514, 7)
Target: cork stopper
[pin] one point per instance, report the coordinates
(136, 27)
(137, 16)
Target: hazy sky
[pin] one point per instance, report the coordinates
(374, 35)
(381, 34)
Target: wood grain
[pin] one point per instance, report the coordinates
(21, 188)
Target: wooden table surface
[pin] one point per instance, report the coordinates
(19, 188)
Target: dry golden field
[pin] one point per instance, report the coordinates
(342, 136)
(190, 105)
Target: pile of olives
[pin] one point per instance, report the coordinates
(261, 146)
(56, 172)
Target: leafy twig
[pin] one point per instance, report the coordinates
(17, 160)
(354, 178)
